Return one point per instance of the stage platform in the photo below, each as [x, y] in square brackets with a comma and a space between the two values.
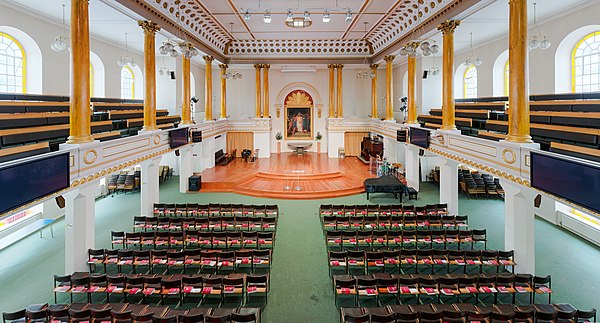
[288, 176]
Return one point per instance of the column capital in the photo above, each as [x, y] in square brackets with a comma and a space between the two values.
[340, 66]
[330, 66]
[413, 44]
[148, 26]
[448, 26]
[208, 59]
[186, 45]
[390, 58]
[223, 66]
[374, 66]
[258, 66]
[266, 66]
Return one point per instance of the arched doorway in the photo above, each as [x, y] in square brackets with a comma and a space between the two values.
[298, 118]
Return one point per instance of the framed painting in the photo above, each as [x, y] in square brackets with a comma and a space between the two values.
[298, 116]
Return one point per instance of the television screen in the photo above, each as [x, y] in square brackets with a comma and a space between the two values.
[178, 137]
[24, 182]
[419, 137]
[572, 180]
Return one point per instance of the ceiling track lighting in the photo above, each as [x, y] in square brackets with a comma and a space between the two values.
[538, 40]
[326, 16]
[292, 21]
[267, 17]
[61, 42]
[348, 16]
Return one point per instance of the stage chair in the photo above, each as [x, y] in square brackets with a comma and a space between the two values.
[170, 287]
[387, 286]
[261, 258]
[117, 238]
[212, 286]
[586, 316]
[124, 258]
[542, 285]
[337, 259]
[407, 286]
[191, 285]
[374, 259]
[158, 259]
[391, 259]
[448, 287]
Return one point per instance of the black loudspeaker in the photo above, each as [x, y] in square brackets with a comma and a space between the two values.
[194, 183]
[401, 135]
[196, 136]
[421, 152]
[425, 73]
[60, 201]
[172, 74]
[177, 152]
[537, 201]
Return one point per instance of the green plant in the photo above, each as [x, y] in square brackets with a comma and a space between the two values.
[319, 136]
[278, 136]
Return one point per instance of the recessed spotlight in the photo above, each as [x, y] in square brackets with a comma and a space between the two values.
[326, 16]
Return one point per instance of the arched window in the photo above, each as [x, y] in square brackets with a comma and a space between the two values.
[586, 64]
[470, 82]
[127, 83]
[506, 78]
[91, 80]
[12, 65]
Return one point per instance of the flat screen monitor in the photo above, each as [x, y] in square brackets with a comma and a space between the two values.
[419, 137]
[21, 183]
[178, 137]
[572, 180]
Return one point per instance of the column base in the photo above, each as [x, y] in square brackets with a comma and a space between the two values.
[521, 139]
[76, 140]
[448, 127]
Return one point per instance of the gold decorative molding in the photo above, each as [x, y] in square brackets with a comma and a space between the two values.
[448, 26]
[156, 139]
[90, 160]
[149, 27]
[298, 99]
[509, 156]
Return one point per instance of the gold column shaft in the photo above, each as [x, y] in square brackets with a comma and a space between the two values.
[374, 91]
[150, 30]
[412, 94]
[208, 88]
[186, 110]
[266, 90]
[518, 86]
[79, 106]
[223, 114]
[332, 108]
[257, 67]
[389, 91]
[448, 110]
[340, 98]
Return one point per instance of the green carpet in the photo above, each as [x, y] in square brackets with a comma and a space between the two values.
[301, 290]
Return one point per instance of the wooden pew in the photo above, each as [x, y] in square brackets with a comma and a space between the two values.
[463, 122]
[491, 106]
[567, 118]
[139, 122]
[129, 114]
[575, 151]
[575, 134]
[31, 119]
[13, 153]
[23, 135]
[566, 105]
[432, 125]
[474, 114]
[28, 106]
[104, 136]
[104, 106]
[491, 135]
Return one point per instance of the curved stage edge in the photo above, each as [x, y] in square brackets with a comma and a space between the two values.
[279, 176]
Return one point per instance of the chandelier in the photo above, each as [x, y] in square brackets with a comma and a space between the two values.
[435, 69]
[126, 60]
[472, 59]
[170, 48]
[537, 40]
[61, 42]
[234, 75]
[411, 49]
[365, 73]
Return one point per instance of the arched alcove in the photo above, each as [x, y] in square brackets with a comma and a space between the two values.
[562, 61]
[99, 76]
[498, 74]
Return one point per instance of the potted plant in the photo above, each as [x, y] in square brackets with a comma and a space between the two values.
[278, 137]
[318, 137]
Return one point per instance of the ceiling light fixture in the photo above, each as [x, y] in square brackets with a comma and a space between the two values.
[61, 42]
[472, 59]
[234, 75]
[290, 16]
[307, 16]
[298, 22]
[348, 16]
[411, 49]
[537, 40]
[126, 60]
[366, 73]
[326, 16]
[267, 17]
[247, 15]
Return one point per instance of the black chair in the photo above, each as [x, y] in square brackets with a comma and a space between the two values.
[14, 317]
[191, 318]
[586, 316]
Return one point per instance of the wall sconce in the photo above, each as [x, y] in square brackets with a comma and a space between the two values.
[278, 110]
[319, 110]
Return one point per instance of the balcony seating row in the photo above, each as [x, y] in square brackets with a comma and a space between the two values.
[193, 238]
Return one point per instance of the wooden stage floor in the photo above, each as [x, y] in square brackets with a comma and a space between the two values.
[316, 175]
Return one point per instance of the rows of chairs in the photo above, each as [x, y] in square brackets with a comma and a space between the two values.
[129, 313]
[463, 313]
[209, 223]
[159, 289]
[475, 184]
[364, 209]
[398, 221]
[193, 239]
[212, 261]
[441, 288]
[125, 181]
[416, 260]
[195, 209]
[351, 239]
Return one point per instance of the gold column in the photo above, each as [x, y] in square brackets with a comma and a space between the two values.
[208, 88]
[223, 114]
[186, 110]
[79, 110]
[332, 109]
[340, 101]
[150, 30]
[266, 90]
[448, 115]
[412, 95]
[257, 67]
[518, 86]
[389, 92]
[374, 91]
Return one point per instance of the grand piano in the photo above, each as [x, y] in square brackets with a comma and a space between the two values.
[385, 184]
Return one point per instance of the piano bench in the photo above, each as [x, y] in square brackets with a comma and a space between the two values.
[412, 193]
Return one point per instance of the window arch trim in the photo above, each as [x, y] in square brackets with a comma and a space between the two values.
[573, 56]
[466, 89]
[23, 60]
[132, 81]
